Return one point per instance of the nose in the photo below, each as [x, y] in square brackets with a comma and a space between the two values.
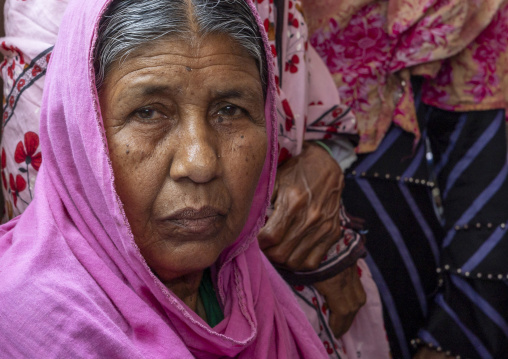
[196, 156]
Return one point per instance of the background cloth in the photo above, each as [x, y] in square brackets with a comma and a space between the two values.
[442, 277]
[31, 28]
[373, 47]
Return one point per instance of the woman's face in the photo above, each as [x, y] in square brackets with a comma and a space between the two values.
[186, 132]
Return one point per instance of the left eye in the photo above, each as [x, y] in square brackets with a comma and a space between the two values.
[146, 113]
[230, 111]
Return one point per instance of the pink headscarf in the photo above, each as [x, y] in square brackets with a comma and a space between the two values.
[72, 281]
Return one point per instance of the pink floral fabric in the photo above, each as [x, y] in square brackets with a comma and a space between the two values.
[308, 105]
[372, 47]
[31, 31]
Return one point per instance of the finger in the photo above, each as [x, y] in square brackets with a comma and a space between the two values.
[314, 246]
[280, 253]
[283, 230]
[314, 259]
[310, 223]
[277, 225]
[342, 316]
[309, 254]
[340, 324]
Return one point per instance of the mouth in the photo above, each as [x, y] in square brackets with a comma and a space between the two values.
[205, 220]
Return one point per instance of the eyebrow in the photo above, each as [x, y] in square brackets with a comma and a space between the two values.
[248, 94]
[234, 93]
[152, 90]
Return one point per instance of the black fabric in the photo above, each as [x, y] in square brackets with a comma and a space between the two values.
[464, 308]
[382, 248]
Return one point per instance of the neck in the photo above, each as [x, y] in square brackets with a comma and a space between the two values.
[187, 289]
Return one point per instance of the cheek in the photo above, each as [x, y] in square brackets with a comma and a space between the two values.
[244, 167]
[136, 176]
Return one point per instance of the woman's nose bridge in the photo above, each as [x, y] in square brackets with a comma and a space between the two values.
[196, 155]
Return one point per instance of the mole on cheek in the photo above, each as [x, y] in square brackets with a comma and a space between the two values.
[127, 150]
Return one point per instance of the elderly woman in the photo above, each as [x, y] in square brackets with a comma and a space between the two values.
[159, 155]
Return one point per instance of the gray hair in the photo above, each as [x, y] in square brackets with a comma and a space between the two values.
[130, 24]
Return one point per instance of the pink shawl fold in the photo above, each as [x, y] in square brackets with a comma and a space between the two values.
[73, 284]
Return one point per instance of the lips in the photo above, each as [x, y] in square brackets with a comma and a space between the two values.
[205, 220]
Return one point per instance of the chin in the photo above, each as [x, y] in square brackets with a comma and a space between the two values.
[171, 266]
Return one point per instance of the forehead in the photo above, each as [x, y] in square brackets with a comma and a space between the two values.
[215, 56]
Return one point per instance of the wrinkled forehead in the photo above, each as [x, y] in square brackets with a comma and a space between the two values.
[175, 70]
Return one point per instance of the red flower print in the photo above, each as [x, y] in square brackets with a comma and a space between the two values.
[21, 83]
[36, 70]
[15, 50]
[270, 29]
[266, 24]
[315, 302]
[291, 65]
[16, 186]
[331, 129]
[347, 238]
[337, 112]
[328, 347]
[287, 108]
[277, 80]
[284, 155]
[28, 156]
[292, 21]
[289, 123]
[289, 115]
[274, 50]
[10, 70]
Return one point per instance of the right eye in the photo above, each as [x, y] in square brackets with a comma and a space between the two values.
[148, 114]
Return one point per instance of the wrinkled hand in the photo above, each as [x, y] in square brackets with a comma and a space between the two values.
[305, 221]
[426, 353]
[344, 295]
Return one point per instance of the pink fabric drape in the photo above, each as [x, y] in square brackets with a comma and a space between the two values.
[372, 48]
[72, 281]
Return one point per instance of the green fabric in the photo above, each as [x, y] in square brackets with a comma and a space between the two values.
[214, 314]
